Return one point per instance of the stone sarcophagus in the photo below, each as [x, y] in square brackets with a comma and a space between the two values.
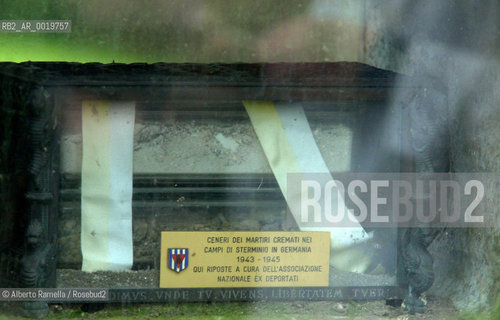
[129, 177]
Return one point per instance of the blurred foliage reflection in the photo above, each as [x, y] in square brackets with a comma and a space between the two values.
[181, 31]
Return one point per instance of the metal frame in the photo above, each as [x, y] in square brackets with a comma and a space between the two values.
[30, 91]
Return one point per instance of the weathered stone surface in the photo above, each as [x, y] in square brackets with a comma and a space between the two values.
[211, 145]
[456, 43]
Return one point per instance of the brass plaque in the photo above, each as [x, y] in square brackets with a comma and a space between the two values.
[244, 259]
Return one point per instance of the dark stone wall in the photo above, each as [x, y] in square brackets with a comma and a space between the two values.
[458, 43]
